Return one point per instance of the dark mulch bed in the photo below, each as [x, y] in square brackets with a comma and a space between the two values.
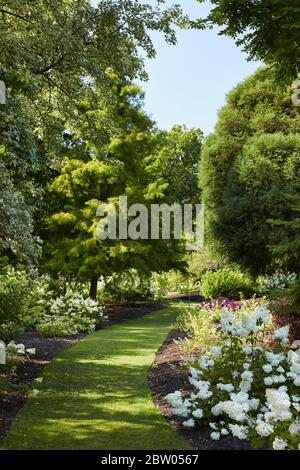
[293, 320]
[166, 377]
[47, 349]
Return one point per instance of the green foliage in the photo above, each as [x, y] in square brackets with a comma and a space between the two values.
[249, 169]
[288, 246]
[10, 330]
[56, 43]
[200, 324]
[93, 175]
[199, 262]
[166, 283]
[19, 187]
[293, 292]
[14, 300]
[227, 282]
[178, 159]
[127, 286]
[267, 30]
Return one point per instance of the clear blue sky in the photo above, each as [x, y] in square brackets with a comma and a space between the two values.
[188, 82]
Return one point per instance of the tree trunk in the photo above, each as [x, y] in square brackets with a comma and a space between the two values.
[93, 288]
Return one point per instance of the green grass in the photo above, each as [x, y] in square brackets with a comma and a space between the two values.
[96, 395]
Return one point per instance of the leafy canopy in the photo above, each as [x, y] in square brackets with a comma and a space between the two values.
[249, 170]
[268, 30]
[91, 175]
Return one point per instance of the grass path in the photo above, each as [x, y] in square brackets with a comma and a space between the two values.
[96, 395]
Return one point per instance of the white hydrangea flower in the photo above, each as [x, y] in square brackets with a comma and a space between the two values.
[279, 444]
[31, 351]
[274, 359]
[297, 381]
[245, 386]
[264, 429]
[267, 368]
[198, 413]
[216, 351]
[248, 350]
[226, 387]
[254, 403]
[282, 334]
[238, 431]
[279, 404]
[262, 314]
[283, 388]
[297, 407]
[294, 428]
[215, 436]
[190, 423]
[247, 376]
[20, 349]
[194, 373]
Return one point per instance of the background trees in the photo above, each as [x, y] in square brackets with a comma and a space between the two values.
[64, 47]
[249, 170]
[56, 59]
[177, 162]
[92, 175]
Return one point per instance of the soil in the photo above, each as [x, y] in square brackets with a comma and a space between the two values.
[166, 376]
[29, 368]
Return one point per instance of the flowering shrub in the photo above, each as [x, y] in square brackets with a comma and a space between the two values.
[243, 389]
[221, 302]
[227, 282]
[201, 323]
[277, 281]
[71, 314]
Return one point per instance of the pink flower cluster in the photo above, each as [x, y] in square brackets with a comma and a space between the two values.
[221, 302]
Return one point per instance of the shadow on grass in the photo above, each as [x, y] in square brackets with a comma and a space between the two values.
[96, 396]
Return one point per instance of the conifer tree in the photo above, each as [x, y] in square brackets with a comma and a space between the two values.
[100, 165]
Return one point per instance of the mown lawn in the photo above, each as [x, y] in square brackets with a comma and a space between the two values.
[96, 395]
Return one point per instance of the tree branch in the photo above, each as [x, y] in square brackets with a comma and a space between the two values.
[11, 13]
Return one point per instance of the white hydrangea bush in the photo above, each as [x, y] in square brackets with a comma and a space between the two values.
[243, 388]
[277, 281]
[71, 314]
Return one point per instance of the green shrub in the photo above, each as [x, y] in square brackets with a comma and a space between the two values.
[200, 325]
[14, 300]
[170, 282]
[227, 282]
[128, 286]
[249, 171]
[11, 330]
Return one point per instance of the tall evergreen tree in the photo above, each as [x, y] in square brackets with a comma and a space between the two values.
[249, 169]
[92, 175]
